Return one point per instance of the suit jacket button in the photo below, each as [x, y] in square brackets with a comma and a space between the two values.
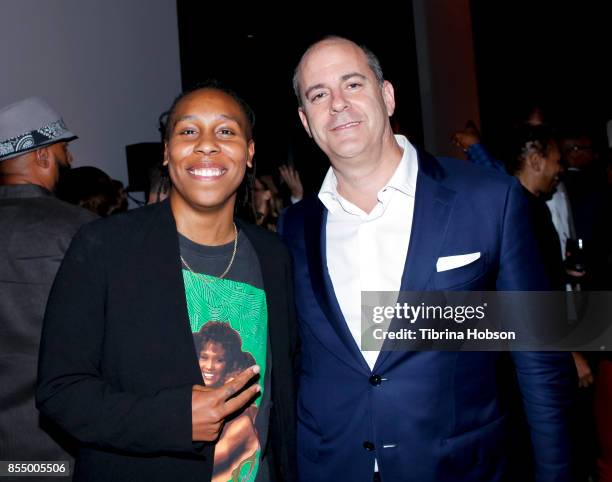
[375, 380]
[369, 446]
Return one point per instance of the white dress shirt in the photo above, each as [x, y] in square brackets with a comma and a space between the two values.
[561, 214]
[367, 251]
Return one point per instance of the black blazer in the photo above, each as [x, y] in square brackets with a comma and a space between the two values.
[117, 359]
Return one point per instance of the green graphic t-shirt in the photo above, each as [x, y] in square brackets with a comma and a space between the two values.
[229, 321]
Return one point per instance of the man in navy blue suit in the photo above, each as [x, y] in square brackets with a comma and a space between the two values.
[388, 218]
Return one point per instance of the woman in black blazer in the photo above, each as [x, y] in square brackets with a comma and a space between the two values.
[118, 368]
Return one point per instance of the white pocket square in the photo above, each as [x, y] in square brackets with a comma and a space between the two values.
[451, 262]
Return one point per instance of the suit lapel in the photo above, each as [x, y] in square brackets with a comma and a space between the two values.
[432, 208]
[315, 237]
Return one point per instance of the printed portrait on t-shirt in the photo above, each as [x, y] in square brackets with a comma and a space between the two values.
[229, 324]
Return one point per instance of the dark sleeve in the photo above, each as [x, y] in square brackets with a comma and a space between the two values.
[479, 155]
[545, 378]
[280, 224]
[293, 325]
[290, 443]
[72, 388]
[281, 228]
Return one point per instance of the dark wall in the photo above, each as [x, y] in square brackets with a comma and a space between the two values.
[553, 53]
[256, 56]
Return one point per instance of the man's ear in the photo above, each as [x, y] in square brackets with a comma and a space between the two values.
[388, 94]
[304, 120]
[535, 161]
[43, 157]
[251, 148]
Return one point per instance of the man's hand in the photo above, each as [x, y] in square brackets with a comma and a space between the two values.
[292, 178]
[467, 137]
[211, 406]
[585, 375]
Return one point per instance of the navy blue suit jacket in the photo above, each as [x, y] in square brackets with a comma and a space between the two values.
[436, 415]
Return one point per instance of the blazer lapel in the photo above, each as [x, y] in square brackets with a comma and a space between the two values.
[160, 261]
[315, 237]
[432, 208]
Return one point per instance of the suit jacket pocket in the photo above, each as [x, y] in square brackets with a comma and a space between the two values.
[459, 277]
[475, 455]
[308, 442]
[309, 434]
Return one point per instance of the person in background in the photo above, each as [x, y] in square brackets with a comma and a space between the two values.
[291, 177]
[534, 159]
[533, 156]
[468, 140]
[121, 197]
[585, 179]
[470, 143]
[35, 231]
[263, 205]
[88, 187]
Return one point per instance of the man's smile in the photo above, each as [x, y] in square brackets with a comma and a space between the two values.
[347, 125]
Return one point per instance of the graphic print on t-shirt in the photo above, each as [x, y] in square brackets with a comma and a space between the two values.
[229, 323]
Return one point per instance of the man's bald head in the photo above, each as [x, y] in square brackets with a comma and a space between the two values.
[371, 59]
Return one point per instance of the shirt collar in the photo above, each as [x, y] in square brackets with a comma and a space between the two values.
[23, 191]
[404, 177]
[403, 180]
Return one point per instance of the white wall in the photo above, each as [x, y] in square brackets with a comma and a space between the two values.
[447, 72]
[110, 67]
